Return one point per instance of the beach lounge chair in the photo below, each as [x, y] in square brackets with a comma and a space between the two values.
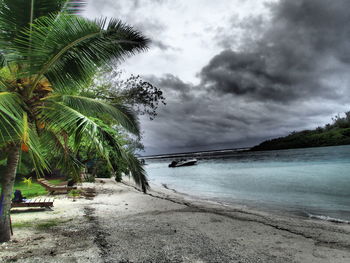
[37, 202]
[51, 188]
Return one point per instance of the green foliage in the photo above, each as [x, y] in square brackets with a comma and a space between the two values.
[102, 170]
[28, 181]
[48, 55]
[337, 133]
[17, 15]
[77, 46]
[74, 193]
[89, 178]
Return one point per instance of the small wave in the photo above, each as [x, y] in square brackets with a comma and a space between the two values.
[328, 218]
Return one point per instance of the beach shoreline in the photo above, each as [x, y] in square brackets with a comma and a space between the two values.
[121, 224]
[250, 205]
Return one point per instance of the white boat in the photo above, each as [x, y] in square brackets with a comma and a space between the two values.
[183, 163]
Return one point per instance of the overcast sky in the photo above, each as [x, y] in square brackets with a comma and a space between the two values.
[237, 72]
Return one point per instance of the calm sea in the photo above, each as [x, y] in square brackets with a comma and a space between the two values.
[312, 182]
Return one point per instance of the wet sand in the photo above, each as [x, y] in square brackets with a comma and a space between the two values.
[122, 224]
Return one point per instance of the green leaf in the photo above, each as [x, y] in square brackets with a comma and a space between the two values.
[2, 60]
[60, 155]
[11, 113]
[137, 171]
[37, 151]
[61, 118]
[16, 15]
[70, 48]
[123, 115]
[74, 6]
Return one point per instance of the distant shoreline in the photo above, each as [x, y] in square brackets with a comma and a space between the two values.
[193, 154]
[226, 152]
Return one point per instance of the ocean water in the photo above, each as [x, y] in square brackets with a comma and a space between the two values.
[312, 182]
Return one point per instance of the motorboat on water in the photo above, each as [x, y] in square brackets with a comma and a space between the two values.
[183, 163]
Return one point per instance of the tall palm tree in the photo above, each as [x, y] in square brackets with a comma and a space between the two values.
[47, 54]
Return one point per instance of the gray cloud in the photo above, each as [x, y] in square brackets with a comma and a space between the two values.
[193, 120]
[173, 86]
[304, 45]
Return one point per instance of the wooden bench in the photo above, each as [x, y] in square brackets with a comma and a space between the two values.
[51, 188]
[36, 202]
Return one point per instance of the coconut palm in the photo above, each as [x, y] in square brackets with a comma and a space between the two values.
[47, 54]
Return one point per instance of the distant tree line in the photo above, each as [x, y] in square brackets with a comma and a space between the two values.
[332, 134]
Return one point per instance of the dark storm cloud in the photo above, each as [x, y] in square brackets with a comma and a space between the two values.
[241, 30]
[173, 86]
[193, 120]
[306, 42]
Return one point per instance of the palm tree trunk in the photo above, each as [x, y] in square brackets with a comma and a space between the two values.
[7, 184]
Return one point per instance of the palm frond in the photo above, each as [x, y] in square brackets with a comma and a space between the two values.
[74, 6]
[137, 171]
[11, 105]
[2, 60]
[11, 113]
[9, 130]
[134, 166]
[15, 127]
[16, 15]
[76, 46]
[36, 150]
[123, 115]
[61, 156]
[60, 117]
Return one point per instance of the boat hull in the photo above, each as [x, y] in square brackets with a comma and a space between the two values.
[183, 163]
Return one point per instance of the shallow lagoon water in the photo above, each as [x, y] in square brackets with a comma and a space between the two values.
[310, 181]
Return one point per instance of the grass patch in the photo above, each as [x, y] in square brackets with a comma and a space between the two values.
[22, 224]
[40, 225]
[30, 191]
[34, 189]
[47, 224]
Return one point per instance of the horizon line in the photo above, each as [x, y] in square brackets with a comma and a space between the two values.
[206, 151]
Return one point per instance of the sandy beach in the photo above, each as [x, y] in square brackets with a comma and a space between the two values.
[122, 224]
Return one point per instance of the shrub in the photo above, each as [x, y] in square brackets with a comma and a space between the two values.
[90, 178]
[102, 170]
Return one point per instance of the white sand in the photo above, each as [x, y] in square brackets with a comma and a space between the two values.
[123, 225]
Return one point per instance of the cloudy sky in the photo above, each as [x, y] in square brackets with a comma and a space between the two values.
[237, 72]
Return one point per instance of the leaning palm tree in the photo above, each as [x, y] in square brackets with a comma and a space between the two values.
[47, 54]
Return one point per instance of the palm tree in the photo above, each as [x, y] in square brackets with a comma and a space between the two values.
[47, 54]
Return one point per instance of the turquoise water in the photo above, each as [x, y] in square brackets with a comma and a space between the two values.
[312, 181]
